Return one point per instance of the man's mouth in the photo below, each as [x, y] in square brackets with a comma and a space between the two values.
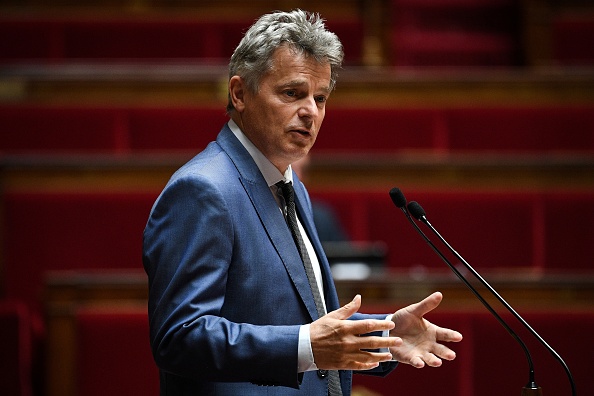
[303, 132]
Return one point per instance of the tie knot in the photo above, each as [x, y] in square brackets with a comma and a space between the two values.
[287, 190]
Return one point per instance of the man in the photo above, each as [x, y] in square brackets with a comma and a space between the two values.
[239, 286]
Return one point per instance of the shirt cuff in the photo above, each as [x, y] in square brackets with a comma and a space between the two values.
[305, 358]
[386, 333]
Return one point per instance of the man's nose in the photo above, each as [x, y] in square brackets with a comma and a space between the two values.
[309, 107]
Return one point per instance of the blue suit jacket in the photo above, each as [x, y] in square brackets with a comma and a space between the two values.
[227, 288]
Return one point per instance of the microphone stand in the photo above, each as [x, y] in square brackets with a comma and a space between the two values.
[531, 389]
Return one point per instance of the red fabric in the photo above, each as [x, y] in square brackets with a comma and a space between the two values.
[47, 129]
[366, 130]
[491, 230]
[33, 129]
[114, 356]
[139, 39]
[572, 38]
[54, 231]
[521, 129]
[457, 33]
[170, 129]
[568, 239]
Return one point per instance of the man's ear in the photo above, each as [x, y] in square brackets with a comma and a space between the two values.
[236, 92]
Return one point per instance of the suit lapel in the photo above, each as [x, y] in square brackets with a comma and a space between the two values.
[270, 215]
[306, 217]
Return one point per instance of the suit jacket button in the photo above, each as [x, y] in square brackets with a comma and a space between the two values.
[322, 373]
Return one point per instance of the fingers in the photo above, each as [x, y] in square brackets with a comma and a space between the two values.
[428, 353]
[358, 327]
[426, 305]
[357, 359]
[348, 310]
[420, 359]
[427, 359]
[337, 342]
[443, 352]
[371, 342]
[366, 326]
[422, 340]
[447, 335]
[353, 352]
[434, 358]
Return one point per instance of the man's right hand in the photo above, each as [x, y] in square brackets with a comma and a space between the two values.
[337, 343]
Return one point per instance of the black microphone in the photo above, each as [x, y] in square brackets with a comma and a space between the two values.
[531, 388]
[400, 201]
[417, 211]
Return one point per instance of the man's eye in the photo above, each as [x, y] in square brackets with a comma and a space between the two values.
[321, 99]
[291, 93]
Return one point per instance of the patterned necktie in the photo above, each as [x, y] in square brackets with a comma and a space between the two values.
[334, 388]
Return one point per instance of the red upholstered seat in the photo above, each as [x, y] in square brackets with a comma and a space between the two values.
[491, 230]
[138, 38]
[69, 231]
[521, 129]
[48, 129]
[457, 33]
[376, 130]
[39, 129]
[113, 353]
[31, 129]
[572, 38]
[568, 242]
[170, 129]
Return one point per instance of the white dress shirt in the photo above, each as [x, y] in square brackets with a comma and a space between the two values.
[272, 176]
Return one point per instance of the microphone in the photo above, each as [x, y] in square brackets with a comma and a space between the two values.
[417, 211]
[400, 202]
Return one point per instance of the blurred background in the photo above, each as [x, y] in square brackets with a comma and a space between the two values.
[481, 110]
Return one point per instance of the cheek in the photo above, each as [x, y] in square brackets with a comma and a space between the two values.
[259, 118]
[269, 116]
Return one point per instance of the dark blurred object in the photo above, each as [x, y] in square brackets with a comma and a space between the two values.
[327, 223]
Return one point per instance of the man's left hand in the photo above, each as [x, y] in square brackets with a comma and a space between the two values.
[422, 339]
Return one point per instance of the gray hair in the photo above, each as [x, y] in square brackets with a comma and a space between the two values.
[302, 31]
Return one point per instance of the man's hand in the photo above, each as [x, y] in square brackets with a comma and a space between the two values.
[421, 338]
[336, 344]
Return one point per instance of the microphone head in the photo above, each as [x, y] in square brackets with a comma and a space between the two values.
[398, 197]
[416, 210]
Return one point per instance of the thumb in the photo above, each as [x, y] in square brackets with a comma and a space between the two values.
[347, 310]
[427, 305]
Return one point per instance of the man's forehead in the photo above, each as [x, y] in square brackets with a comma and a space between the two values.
[295, 68]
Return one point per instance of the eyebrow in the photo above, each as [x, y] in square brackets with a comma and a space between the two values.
[299, 83]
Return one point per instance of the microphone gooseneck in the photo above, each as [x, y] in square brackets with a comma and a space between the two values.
[417, 211]
[531, 389]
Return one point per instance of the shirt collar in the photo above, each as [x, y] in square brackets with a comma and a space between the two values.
[268, 170]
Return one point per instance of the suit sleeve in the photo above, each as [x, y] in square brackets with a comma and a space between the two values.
[188, 247]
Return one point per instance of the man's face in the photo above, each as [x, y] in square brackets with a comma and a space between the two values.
[283, 118]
